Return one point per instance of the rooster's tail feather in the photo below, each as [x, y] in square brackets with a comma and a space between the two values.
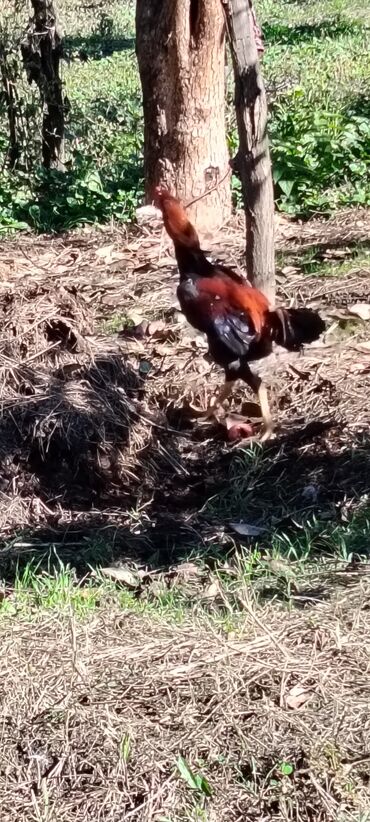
[294, 327]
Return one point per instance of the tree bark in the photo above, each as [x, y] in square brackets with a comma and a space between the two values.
[42, 50]
[253, 158]
[9, 91]
[180, 47]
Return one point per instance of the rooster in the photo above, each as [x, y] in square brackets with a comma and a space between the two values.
[239, 324]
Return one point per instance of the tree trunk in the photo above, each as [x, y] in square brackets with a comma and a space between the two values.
[10, 96]
[180, 48]
[253, 158]
[42, 50]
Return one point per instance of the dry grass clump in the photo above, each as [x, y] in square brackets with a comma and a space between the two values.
[62, 402]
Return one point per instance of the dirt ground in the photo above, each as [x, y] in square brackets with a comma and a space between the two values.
[94, 421]
[276, 719]
[101, 457]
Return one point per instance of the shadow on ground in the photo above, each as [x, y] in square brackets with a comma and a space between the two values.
[280, 34]
[96, 46]
[115, 481]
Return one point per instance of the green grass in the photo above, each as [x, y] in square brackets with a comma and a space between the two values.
[318, 79]
[54, 586]
[115, 323]
[318, 76]
[318, 73]
[310, 261]
[292, 565]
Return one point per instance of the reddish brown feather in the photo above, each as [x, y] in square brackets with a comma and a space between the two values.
[175, 219]
[181, 231]
[242, 297]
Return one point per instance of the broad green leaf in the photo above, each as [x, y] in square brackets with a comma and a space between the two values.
[286, 186]
[197, 782]
[187, 773]
[203, 785]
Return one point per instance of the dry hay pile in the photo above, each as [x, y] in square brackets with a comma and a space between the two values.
[96, 713]
[63, 409]
[83, 429]
[92, 416]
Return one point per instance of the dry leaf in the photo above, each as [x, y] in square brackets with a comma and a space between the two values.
[363, 346]
[109, 255]
[139, 331]
[199, 342]
[146, 214]
[336, 253]
[290, 269]
[155, 589]
[105, 252]
[146, 575]
[332, 328]
[211, 591]
[361, 310]
[164, 351]
[296, 697]
[122, 574]
[187, 570]
[109, 299]
[135, 317]
[360, 367]
[165, 262]
[158, 330]
[279, 567]
[245, 529]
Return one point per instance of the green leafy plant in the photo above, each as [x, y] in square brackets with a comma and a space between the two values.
[320, 157]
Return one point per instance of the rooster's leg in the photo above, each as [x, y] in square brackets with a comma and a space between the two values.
[256, 384]
[266, 414]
